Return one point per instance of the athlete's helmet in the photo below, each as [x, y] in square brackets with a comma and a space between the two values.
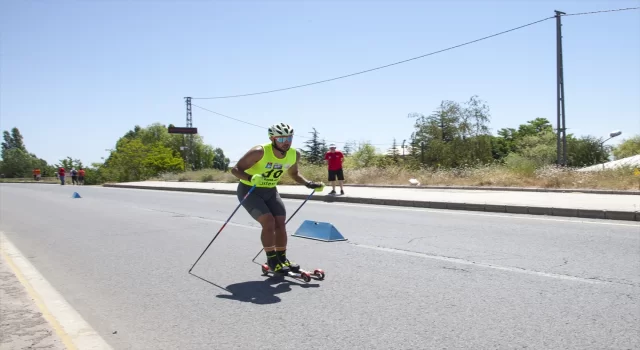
[280, 129]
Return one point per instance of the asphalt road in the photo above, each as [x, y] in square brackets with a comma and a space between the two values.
[406, 278]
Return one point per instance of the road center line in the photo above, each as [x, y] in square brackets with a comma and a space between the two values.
[491, 266]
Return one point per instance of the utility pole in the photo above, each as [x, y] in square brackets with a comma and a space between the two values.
[561, 138]
[189, 124]
[189, 130]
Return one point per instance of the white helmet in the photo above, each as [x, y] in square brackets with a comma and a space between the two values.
[280, 129]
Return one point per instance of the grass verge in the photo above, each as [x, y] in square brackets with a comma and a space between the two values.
[487, 176]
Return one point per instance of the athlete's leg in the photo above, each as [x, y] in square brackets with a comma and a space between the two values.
[268, 228]
[256, 206]
[276, 205]
[281, 233]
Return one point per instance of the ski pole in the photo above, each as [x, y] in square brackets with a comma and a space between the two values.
[285, 224]
[223, 226]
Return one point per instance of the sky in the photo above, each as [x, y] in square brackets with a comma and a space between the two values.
[77, 75]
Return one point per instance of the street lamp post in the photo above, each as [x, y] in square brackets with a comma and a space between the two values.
[611, 135]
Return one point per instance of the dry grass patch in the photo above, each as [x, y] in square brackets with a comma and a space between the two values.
[493, 175]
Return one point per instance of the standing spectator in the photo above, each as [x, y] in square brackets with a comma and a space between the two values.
[74, 176]
[334, 161]
[38, 174]
[61, 175]
[81, 176]
[34, 174]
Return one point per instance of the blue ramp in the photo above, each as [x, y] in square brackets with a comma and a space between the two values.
[321, 231]
[76, 195]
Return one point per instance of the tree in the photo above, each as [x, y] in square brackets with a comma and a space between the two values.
[393, 151]
[16, 160]
[534, 127]
[585, 151]
[365, 155]
[528, 135]
[453, 135]
[17, 163]
[504, 143]
[323, 149]
[220, 162]
[69, 163]
[199, 155]
[629, 147]
[17, 139]
[348, 148]
[539, 148]
[203, 156]
[132, 160]
[13, 140]
[159, 159]
[7, 144]
[313, 153]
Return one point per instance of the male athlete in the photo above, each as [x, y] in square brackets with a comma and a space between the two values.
[263, 166]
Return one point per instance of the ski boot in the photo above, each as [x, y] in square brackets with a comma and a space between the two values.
[277, 267]
[282, 257]
[292, 266]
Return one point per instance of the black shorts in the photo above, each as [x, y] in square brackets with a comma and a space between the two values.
[261, 201]
[334, 173]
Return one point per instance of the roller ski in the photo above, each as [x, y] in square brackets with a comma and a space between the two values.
[277, 268]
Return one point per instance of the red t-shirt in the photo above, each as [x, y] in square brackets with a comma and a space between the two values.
[335, 160]
[61, 172]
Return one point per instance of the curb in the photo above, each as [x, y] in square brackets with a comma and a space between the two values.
[29, 182]
[515, 189]
[475, 188]
[494, 208]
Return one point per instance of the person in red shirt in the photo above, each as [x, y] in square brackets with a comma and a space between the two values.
[61, 175]
[81, 176]
[334, 161]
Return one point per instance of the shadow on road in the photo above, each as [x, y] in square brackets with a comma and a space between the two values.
[258, 292]
[262, 292]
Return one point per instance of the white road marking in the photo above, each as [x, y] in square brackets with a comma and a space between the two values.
[230, 223]
[81, 334]
[491, 266]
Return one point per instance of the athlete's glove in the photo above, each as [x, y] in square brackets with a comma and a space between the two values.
[255, 179]
[318, 186]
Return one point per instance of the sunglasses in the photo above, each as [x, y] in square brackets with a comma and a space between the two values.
[284, 138]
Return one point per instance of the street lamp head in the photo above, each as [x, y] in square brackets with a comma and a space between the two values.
[615, 133]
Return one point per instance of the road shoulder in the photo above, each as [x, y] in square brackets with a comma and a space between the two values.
[23, 325]
[38, 316]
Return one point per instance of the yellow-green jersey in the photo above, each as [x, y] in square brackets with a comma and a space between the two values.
[271, 167]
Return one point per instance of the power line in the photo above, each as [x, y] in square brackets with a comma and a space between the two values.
[226, 116]
[414, 58]
[263, 127]
[603, 11]
[372, 69]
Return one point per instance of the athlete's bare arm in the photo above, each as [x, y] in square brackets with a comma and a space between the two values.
[294, 172]
[247, 161]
